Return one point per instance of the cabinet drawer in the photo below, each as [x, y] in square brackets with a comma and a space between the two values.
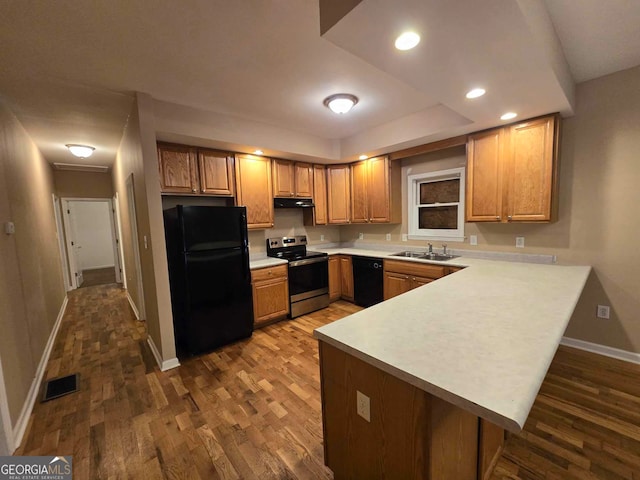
[268, 273]
[412, 268]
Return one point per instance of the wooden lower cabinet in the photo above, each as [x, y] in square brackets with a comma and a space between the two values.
[335, 281]
[270, 294]
[402, 276]
[346, 278]
[411, 433]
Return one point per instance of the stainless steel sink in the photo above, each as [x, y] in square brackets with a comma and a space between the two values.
[440, 257]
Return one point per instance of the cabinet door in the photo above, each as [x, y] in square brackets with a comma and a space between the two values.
[359, 202]
[270, 300]
[484, 176]
[335, 285]
[178, 168]
[530, 166]
[283, 178]
[395, 284]
[320, 195]
[303, 180]
[346, 277]
[338, 194]
[253, 175]
[378, 190]
[216, 172]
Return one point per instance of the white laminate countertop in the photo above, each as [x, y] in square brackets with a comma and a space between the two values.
[482, 338]
[264, 262]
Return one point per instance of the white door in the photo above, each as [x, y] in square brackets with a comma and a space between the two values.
[73, 249]
[119, 254]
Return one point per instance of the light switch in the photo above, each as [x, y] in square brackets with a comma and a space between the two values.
[146, 243]
[473, 240]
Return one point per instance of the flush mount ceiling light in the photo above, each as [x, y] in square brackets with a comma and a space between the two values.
[258, 152]
[407, 41]
[508, 116]
[476, 92]
[340, 102]
[363, 157]
[82, 151]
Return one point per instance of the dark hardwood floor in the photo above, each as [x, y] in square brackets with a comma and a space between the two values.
[252, 409]
[98, 276]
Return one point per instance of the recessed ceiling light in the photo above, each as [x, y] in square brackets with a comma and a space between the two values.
[407, 41]
[476, 92]
[508, 116]
[82, 151]
[258, 152]
[363, 157]
[340, 102]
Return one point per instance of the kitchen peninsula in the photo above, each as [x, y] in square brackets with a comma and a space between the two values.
[441, 370]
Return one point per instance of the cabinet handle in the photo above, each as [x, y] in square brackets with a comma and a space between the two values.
[270, 272]
[194, 190]
[509, 218]
[498, 217]
[203, 190]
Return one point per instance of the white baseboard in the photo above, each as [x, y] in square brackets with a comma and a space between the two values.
[166, 364]
[8, 447]
[602, 350]
[133, 306]
[23, 419]
[98, 267]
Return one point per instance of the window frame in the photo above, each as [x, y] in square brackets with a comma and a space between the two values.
[414, 205]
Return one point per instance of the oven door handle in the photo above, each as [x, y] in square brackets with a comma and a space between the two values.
[307, 261]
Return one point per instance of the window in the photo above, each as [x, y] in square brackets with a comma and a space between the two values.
[436, 205]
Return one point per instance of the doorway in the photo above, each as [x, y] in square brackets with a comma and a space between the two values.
[91, 239]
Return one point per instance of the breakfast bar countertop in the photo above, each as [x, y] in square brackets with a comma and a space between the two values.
[482, 338]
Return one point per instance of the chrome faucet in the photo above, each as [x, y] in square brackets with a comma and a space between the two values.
[430, 248]
[444, 248]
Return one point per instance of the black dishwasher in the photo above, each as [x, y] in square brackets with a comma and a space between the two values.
[368, 281]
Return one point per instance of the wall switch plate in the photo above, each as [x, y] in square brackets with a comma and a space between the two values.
[322, 238]
[363, 406]
[388, 237]
[603, 311]
[519, 242]
[146, 242]
[361, 236]
[404, 237]
[473, 239]
[9, 228]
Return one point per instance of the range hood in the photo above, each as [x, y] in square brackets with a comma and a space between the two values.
[292, 202]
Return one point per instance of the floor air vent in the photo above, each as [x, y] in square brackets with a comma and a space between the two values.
[58, 387]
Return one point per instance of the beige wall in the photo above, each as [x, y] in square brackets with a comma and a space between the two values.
[31, 283]
[137, 156]
[598, 225]
[69, 183]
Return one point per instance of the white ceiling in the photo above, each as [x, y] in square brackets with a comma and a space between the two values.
[69, 69]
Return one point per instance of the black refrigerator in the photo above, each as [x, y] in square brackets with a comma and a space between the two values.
[208, 254]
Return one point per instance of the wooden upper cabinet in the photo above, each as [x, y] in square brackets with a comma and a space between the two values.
[375, 191]
[283, 178]
[359, 188]
[292, 179]
[512, 172]
[303, 173]
[531, 171]
[216, 172]
[178, 168]
[484, 176]
[320, 195]
[338, 194]
[254, 189]
[191, 170]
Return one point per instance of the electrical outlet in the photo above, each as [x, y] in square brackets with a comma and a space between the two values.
[363, 406]
[404, 237]
[361, 236]
[473, 239]
[322, 238]
[519, 242]
[9, 228]
[603, 311]
[388, 237]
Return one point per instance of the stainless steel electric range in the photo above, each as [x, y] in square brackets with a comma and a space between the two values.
[308, 273]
